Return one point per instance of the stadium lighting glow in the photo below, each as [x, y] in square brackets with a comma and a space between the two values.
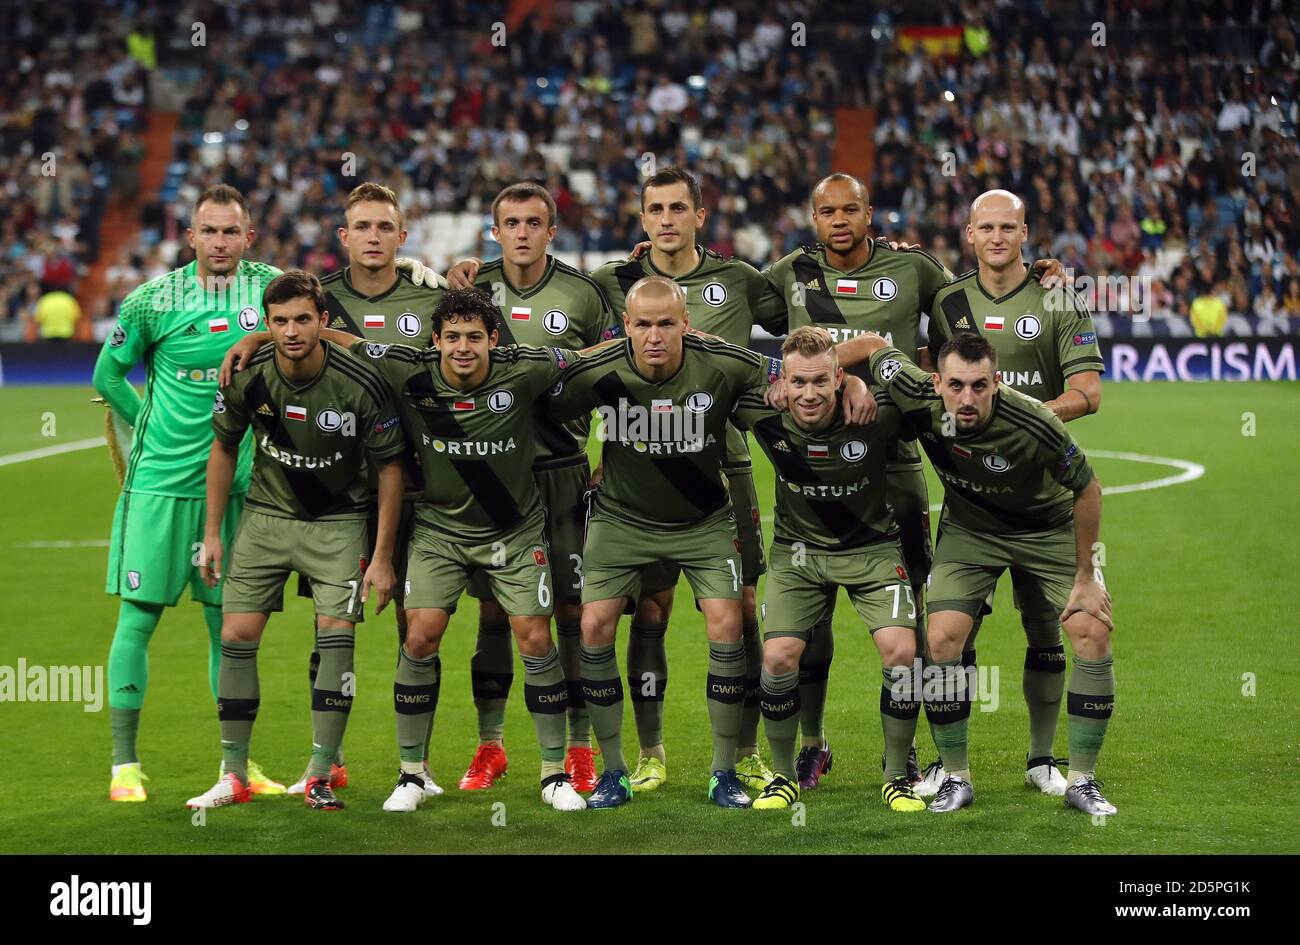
[542, 82]
[1273, 99]
[242, 124]
[948, 96]
[696, 81]
[213, 137]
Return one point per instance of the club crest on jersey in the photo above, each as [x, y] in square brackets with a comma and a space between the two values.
[248, 318]
[715, 293]
[118, 337]
[885, 289]
[889, 368]
[408, 323]
[375, 350]
[133, 580]
[1028, 326]
[218, 325]
[995, 463]
[853, 451]
[499, 401]
[330, 421]
[219, 403]
[294, 412]
[555, 321]
[372, 321]
[699, 401]
[539, 557]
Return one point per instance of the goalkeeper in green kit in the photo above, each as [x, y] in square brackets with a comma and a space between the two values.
[180, 325]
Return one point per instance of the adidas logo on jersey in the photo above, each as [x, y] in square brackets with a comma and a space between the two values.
[190, 330]
[815, 285]
[265, 410]
[782, 446]
[964, 324]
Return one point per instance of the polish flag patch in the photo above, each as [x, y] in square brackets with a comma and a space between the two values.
[818, 450]
[993, 323]
[373, 321]
[961, 451]
[295, 413]
[661, 406]
[521, 314]
[216, 325]
[463, 405]
[846, 286]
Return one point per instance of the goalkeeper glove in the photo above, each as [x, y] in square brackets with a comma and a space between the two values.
[421, 274]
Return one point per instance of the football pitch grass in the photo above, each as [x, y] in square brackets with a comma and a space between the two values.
[1198, 759]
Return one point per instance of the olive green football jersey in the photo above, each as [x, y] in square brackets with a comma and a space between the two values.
[565, 308]
[401, 315]
[830, 484]
[312, 438]
[665, 441]
[1041, 336]
[1018, 474]
[887, 294]
[476, 446]
[722, 296]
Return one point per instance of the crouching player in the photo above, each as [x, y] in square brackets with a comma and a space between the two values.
[318, 415]
[1018, 494]
[833, 529]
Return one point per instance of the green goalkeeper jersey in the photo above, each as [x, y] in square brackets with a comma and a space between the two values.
[887, 294]
[476, 446]
[182, 331]
[722, 297]
[313, 437]
[665, 441]
[565, 308]
[830, 484]
[1041, 336]
[1018, 474]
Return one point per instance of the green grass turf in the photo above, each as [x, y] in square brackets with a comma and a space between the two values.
[1203, 576]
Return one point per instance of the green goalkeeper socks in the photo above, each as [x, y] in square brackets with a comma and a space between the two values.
[128, 674]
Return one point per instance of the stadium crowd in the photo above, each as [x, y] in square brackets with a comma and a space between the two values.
[1163, 149]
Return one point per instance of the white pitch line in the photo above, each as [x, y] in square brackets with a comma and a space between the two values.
[80, 543]
[1189, 472]
[45, 451]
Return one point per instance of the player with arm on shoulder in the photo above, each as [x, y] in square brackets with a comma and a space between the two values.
[833, 528]
[1047, 348]
[179, 325]
[320, 417]
[543, 302]
[1019, 495]
[665, 398]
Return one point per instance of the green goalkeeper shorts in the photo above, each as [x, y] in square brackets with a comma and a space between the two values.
[801, 587]
[154, 549]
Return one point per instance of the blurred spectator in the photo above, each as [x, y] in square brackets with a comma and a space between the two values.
[1209, 313]
[1291, 301]
[57, 313]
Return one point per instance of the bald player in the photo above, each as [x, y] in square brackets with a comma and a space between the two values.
[1047, 348]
